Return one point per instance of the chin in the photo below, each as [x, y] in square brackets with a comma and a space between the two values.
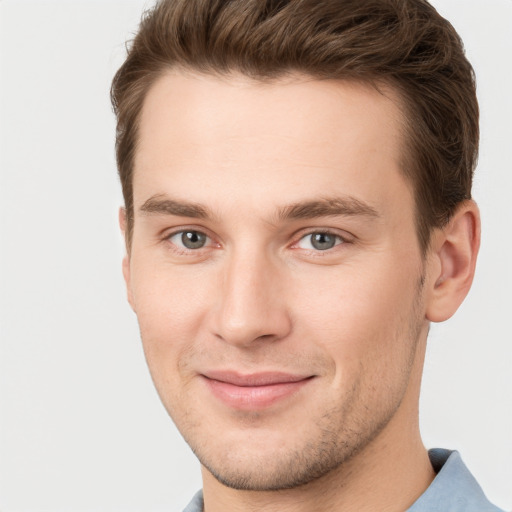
[273, 473]
[267, 464]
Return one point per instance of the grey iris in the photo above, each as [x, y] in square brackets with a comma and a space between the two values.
[193, 239]
[323, 241]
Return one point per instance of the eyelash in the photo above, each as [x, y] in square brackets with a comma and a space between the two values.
[339, 240]
[186, 250]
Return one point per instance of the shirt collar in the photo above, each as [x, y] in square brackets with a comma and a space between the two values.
[454, 488]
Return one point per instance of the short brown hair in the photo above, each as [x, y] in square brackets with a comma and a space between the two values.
[404, 44]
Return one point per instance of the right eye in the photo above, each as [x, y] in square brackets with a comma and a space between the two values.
[320, 241]
[189, 239]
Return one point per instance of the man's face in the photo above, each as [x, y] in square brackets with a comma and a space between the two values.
[276, 273]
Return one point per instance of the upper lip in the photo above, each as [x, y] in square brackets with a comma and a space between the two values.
[254, 379]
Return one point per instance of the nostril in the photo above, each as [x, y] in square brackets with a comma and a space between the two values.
[266, 337]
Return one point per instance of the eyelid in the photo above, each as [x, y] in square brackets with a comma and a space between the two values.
[342, 235]
[168, 234]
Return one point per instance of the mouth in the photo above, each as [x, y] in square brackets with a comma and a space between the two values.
[253, 391]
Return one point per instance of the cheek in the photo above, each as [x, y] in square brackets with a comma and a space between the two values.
[362, 318]
[167, 295]
[170, 307]
[350, 299]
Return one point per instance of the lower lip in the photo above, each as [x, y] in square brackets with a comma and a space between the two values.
[253, 397]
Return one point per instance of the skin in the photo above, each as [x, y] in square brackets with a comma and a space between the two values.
[259, 169]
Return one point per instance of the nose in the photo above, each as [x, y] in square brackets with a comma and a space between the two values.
[252, 304]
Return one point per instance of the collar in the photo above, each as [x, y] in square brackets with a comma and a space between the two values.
[454, 488]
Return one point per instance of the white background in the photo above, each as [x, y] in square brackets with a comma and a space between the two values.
[81, 428]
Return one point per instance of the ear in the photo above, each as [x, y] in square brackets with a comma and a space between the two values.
[453, 255]
[126, 259]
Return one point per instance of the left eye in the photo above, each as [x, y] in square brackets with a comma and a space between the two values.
[189, 239]
[319, 241]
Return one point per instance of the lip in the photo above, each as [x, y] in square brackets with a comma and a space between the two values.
[253, 391]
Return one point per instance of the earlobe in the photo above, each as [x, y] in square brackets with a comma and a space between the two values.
[126, 259]
[454, 253]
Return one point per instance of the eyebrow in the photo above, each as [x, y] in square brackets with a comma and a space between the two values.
[324, 207]
[327, 207]
[160, 204]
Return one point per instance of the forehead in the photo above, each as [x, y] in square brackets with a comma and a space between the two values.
[228, 136]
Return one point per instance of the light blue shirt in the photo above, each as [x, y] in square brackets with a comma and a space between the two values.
[454, 489]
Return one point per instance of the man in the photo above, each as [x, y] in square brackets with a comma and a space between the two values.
[297, 184]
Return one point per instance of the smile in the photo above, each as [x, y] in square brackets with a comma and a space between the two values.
[254, 391]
